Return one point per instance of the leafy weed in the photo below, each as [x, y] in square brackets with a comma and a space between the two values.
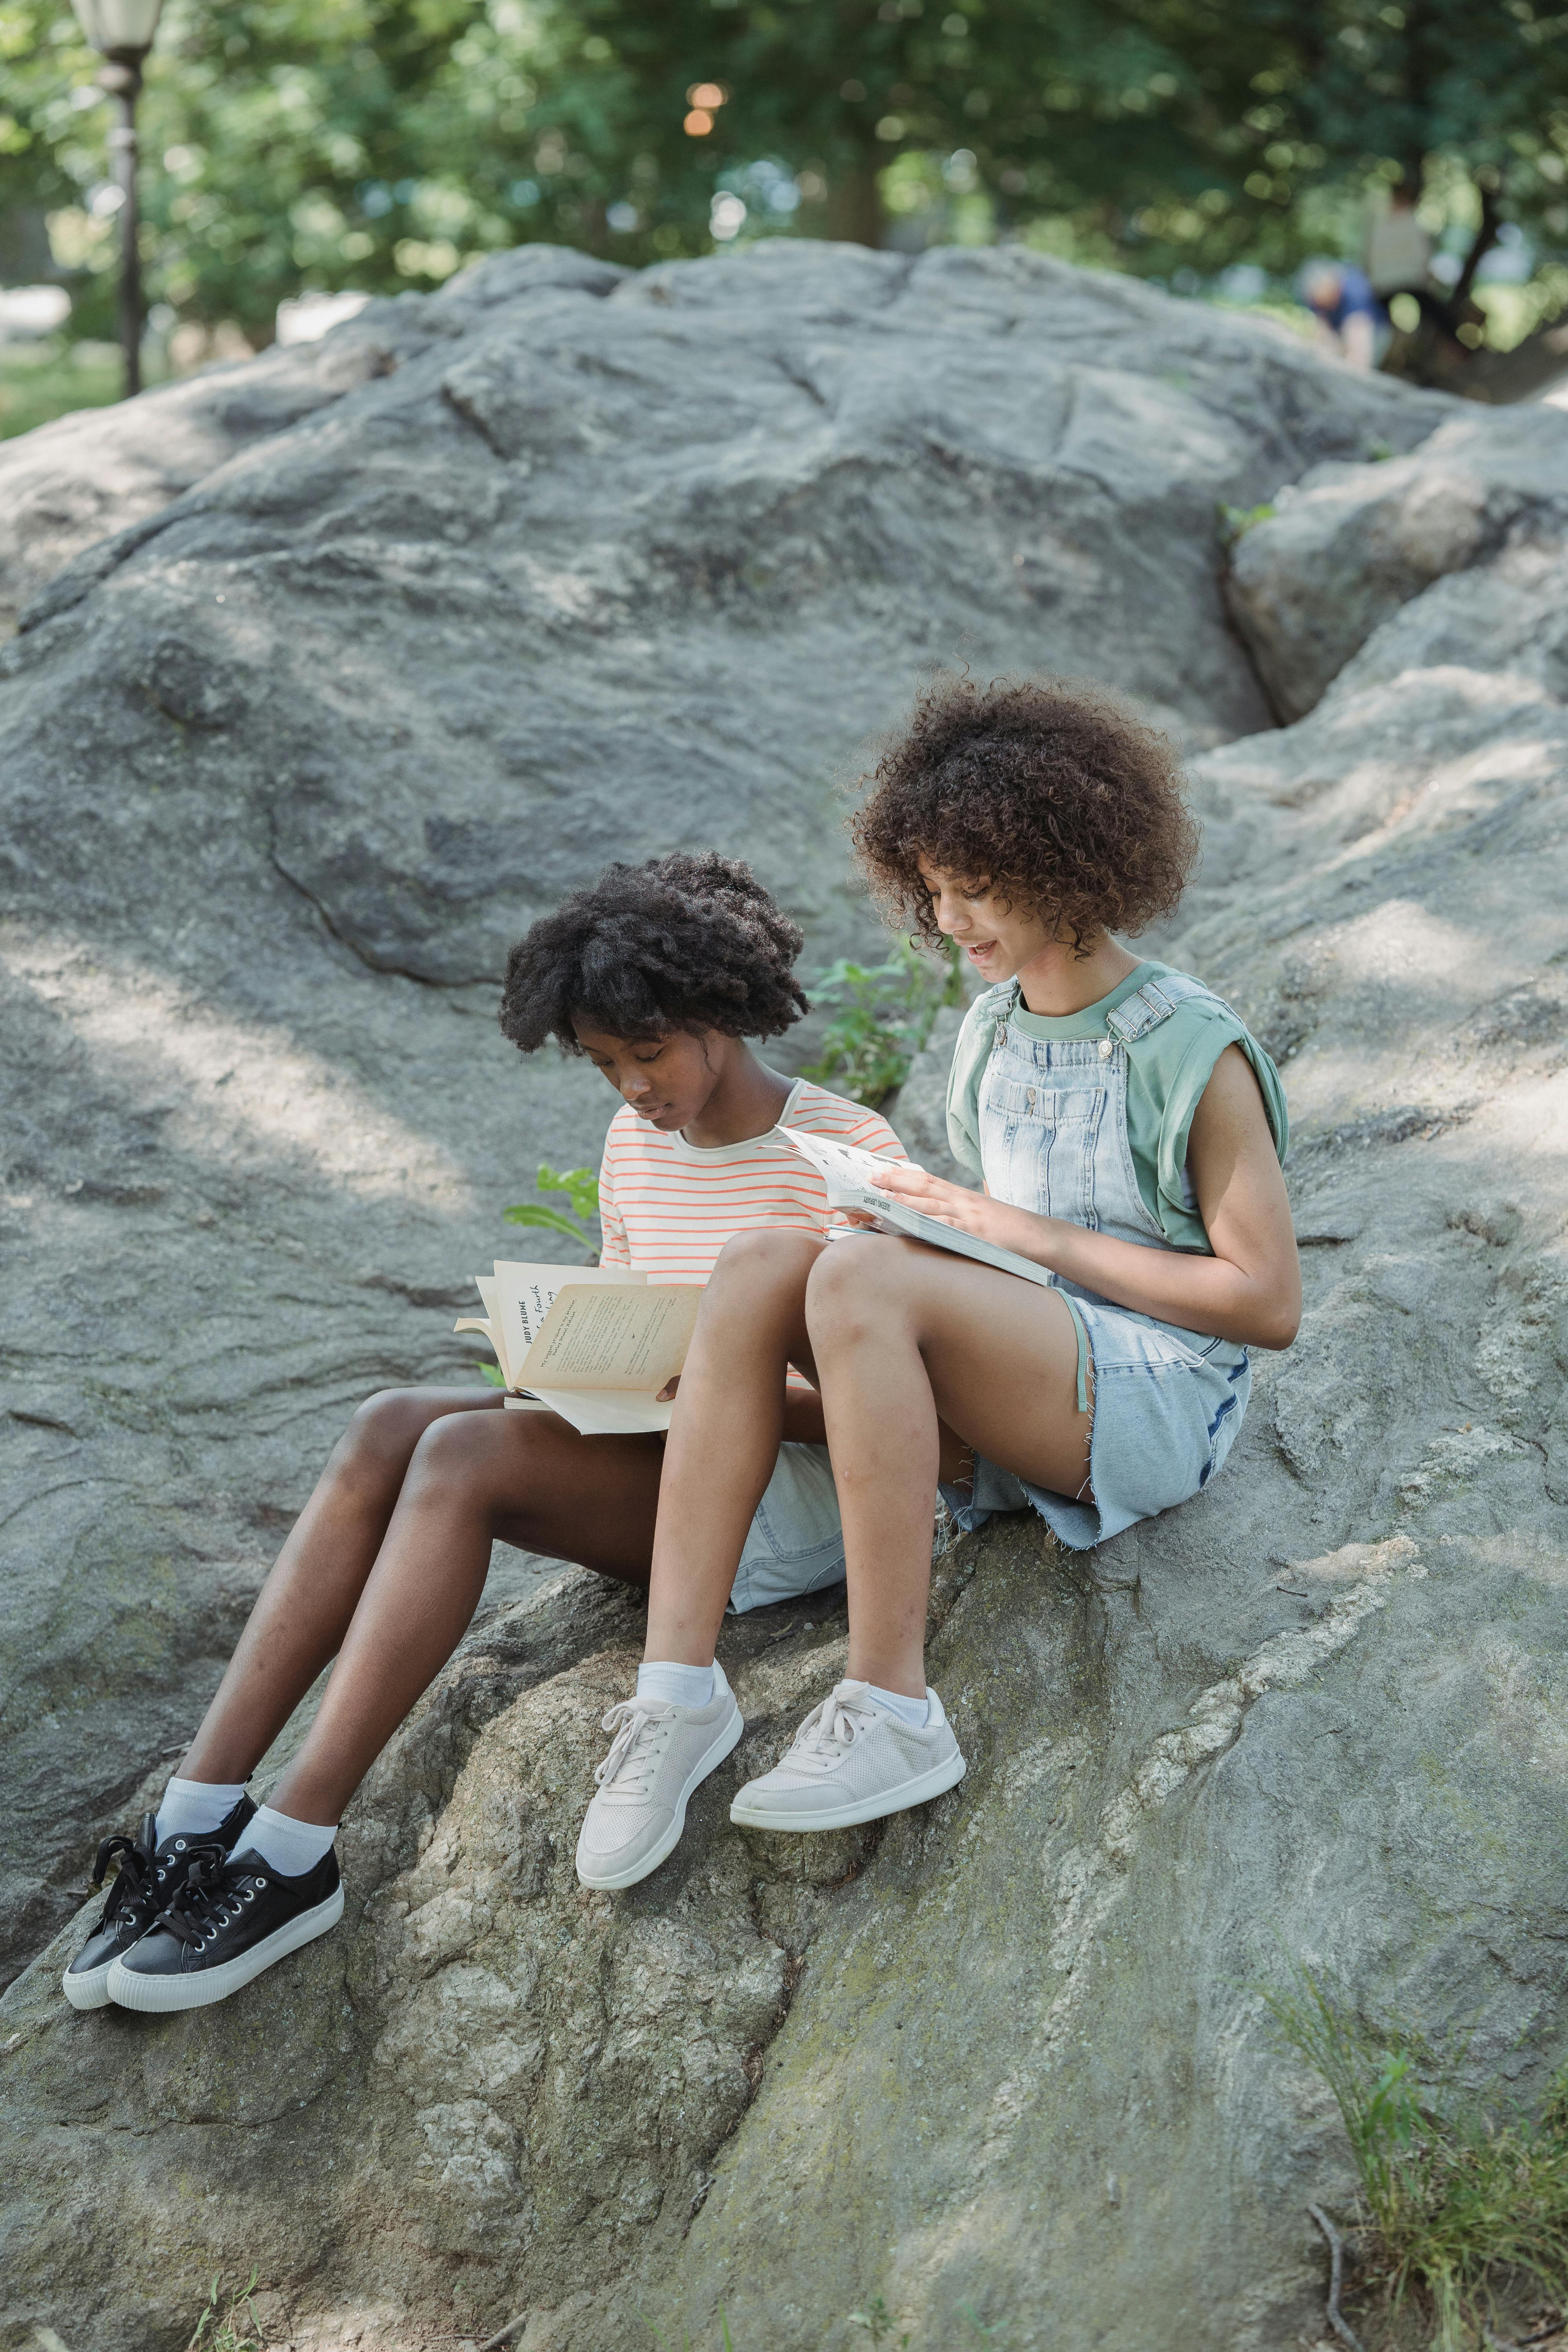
[883, 1017]
[1233, 522]
[1453, 2199]
[228, 2324]
[878, 2322]
[581, 1187]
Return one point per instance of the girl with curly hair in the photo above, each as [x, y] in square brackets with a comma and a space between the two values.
[658, 974]
[1127, 1135]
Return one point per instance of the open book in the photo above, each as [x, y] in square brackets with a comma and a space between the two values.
[854, 1180]
[594, 1343]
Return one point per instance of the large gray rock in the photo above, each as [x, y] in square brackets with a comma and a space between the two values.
[1347, 545]
[1001, 2063]
[97, 474]
[407, 633]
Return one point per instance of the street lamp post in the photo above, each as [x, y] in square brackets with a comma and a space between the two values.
[122, 32]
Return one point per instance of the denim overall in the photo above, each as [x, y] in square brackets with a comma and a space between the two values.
[1167, 1402]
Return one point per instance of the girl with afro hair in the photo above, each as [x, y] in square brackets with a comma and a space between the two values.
[659, 975]
[1125, 1135]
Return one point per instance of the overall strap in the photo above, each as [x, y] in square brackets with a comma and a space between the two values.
[1000, 1005]
[1001, 1002]
[1153, 1002]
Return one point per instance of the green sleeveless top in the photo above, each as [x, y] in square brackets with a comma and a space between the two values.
[1168, 1066]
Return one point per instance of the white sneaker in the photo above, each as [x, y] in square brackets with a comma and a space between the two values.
[852, 1761]
[660, 1753]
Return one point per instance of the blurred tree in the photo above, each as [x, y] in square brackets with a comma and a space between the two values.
[376, 144]
[1430, 92]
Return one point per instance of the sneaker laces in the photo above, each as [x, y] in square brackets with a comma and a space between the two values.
[200, 1904]
[829, 1731]
[627, 1773]
[134, 1877]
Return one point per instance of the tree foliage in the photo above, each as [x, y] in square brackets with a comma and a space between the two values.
[377, 143]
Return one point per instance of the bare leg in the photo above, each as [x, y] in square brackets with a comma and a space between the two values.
[724, 1435]
[313, 1595]
[527, 1478]
[906, 1339]
[302, 1610]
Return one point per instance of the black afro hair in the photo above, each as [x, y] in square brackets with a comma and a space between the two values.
[683, 942]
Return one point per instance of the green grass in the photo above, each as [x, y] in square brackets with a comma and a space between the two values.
[41, 380]
[1454, 2200]
[228, 2324]
[882, 1015]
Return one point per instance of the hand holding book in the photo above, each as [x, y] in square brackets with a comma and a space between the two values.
[891, 1197]
[956, 1205]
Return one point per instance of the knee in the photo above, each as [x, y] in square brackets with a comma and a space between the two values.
[757, 1265]
[456, 1454]
[853, 1287]
[382, 1434]
[767, 1255]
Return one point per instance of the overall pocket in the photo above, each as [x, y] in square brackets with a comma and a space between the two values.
[1041, 1141]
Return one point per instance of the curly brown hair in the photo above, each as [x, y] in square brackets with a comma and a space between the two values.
[686, 941]
[1047, 791]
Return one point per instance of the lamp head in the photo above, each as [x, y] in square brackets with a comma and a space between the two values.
[121, 30]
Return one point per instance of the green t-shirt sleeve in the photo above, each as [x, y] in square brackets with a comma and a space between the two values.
[970, 1056]
[1167, 1069]
[1200, 1038]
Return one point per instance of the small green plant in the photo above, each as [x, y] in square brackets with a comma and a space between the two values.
[1235, 522]
[581, 1187]
[884, 1015]
[233, 2328]
[1452, 2198]
[878, 2322]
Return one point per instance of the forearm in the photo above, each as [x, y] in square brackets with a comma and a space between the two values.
[1181, 1287]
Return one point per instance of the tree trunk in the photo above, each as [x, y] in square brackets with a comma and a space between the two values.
[1480, 244]
[855, 215]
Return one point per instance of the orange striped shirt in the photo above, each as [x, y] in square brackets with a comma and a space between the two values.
[670, 1206]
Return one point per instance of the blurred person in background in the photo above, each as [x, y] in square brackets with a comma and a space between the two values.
[1398, 248]
[1399, 261]
[1347, 311]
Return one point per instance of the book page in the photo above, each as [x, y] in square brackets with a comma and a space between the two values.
[843, 1164]
[525, 1294]
[599, 1413]
[482, 1323]
[853, 1183]
[615, 1338]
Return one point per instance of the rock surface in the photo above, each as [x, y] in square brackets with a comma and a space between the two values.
[1000, 2063]
[412, 630]
[1346, 546]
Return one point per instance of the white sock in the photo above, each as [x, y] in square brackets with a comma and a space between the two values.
[195, 1808]
[291, 1847]
[681, 1686]
[915, 1712]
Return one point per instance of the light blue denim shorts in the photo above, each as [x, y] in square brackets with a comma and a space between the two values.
[1167, 1407]
[795, 1544]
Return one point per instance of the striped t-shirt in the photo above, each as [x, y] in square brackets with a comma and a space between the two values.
[670, 1206]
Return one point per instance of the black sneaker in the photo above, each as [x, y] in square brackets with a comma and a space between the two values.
[229, 1918]
[143, 1885]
